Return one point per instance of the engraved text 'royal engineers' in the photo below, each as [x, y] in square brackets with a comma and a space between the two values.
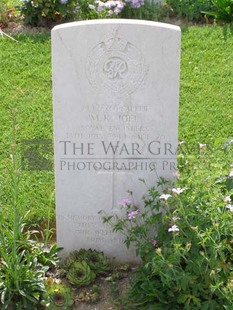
[115, 94]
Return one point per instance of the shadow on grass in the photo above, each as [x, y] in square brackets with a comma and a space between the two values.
[42, 37]
[36, 38]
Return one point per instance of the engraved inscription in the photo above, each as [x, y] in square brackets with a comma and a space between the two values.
[89, 228]
[115, 67]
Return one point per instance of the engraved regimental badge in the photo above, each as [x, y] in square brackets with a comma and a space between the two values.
[115, 67]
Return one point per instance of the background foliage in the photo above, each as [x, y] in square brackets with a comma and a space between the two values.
[51, 12]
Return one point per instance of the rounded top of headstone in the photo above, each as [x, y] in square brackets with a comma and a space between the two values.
[118, 22]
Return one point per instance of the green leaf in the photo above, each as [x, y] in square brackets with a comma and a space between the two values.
[229, 183]
[182, 298]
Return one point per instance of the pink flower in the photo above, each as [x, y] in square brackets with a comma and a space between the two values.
[125, 202]
[176, 174]
[173, 228]
[165, 196]
[154, 242]
[110, 4]
[230, 207]
[178, 190]
[227, 199]
[133, 214]
[117, 10]
[101, 6]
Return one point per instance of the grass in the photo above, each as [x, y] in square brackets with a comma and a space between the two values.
[205, 102]
[206, 85]
[26, 86]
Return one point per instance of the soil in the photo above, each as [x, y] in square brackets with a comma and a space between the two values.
[19, 28]
[112, 294]
[106, 301]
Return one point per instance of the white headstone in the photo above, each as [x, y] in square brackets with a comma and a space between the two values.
[115, 93]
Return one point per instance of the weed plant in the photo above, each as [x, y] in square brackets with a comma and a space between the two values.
[183, 235]
[23, 260]
[189, 9]
[222, 11]
[9, 11]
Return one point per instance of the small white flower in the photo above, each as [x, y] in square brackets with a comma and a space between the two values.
[92, 7]
[173, 228]
[227, 199]
[178, 190]
[230, 174]
[165, 196]
[57, 281]
[175, 218]
[202, 145]
[230, 207]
